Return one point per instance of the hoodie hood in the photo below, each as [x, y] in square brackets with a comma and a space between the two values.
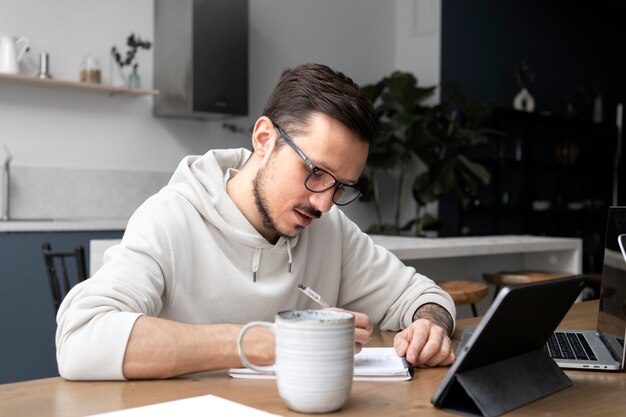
[201, 180]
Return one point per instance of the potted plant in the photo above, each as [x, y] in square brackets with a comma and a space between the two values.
[438, 136]
[134, 43]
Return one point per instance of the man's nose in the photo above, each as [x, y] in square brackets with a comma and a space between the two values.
[322, 201]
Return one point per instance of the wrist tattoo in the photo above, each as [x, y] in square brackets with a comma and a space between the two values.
[437, 314]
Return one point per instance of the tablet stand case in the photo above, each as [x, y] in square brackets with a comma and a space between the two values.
[500, 387]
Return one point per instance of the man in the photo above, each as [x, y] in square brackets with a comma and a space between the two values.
[229, 239]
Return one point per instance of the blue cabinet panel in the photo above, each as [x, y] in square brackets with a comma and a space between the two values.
[27, 322]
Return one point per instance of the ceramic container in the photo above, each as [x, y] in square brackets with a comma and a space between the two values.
[314, 358]
[11, 52]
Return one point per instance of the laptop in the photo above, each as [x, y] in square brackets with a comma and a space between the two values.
[504, 364]
[603, 348]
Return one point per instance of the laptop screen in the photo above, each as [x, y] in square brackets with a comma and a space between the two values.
[612, 312]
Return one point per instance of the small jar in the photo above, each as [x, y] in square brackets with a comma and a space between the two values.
[90, 70]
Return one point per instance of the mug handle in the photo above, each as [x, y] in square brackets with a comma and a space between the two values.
[265, 369]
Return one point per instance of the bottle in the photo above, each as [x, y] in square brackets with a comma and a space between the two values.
[44, 65]
[134, 80]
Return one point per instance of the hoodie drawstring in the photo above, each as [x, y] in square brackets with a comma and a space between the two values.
[289, 254]
[256, 260]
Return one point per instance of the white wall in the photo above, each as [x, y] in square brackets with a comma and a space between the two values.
[51, 127]
[418, 40]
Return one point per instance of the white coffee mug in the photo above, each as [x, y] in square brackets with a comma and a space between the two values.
[314, 358]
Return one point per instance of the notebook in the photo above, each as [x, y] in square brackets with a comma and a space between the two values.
[370, 364]
[603, 348]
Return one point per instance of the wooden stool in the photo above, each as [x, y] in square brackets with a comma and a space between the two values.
[503, 278]
[465, 292]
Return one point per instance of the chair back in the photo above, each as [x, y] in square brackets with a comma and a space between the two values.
[61, 276]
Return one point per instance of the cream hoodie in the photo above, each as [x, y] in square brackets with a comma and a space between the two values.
[189, 255]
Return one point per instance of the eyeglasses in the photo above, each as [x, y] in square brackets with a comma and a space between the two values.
[320, 180]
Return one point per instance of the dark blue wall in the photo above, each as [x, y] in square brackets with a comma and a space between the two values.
[572, 46]
[27, 323]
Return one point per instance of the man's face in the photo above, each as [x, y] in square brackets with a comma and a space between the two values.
[284, 203]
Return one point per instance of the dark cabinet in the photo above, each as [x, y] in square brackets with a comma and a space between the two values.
[27, 315]
[552, 176]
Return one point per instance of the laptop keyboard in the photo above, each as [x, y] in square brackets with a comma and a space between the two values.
[566, 345]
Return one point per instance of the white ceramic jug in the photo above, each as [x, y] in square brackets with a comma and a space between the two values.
[11, 52]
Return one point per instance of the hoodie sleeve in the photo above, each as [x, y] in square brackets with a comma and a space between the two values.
[376, 282]
[97, 316]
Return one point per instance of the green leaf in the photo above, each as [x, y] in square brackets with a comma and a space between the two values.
[477, 169]
[436, 135]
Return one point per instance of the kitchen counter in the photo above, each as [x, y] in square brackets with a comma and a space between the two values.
[460, 257]
[465, 257]
[407, 248]
[62, 225]
[468, 258]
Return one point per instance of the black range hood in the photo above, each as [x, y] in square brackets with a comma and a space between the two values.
[201, 58]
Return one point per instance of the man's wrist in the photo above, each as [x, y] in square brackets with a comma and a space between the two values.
[436, 314]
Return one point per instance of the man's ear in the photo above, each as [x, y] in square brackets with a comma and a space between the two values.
[263, 137]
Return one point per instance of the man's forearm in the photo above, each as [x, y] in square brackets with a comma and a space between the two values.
[437, 314]
[159, 348]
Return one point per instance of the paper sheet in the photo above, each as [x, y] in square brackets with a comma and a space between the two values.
[191, 407]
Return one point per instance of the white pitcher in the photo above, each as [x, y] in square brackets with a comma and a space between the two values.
[11, 52]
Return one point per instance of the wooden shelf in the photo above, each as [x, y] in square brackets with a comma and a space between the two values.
[111, 90]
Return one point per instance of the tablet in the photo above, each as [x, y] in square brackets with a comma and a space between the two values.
[504, 363]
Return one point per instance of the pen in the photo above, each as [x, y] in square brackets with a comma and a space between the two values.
[313, 295]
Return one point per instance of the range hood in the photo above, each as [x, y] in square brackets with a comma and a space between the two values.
[201, 58]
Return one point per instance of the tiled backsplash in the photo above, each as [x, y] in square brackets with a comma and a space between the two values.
[69, 193]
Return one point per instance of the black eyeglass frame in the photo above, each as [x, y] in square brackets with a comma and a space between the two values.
[314, 170]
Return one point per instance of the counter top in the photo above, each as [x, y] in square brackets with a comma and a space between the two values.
[62, 225]
[446, 247]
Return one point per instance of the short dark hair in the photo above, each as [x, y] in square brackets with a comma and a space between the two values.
[311, 88]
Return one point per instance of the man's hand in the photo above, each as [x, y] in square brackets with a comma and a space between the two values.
[426, 343]
[362, 329]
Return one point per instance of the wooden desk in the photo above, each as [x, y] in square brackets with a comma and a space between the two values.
[593, 393]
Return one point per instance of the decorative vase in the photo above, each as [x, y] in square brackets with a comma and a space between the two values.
[134, 80]
[524, 101]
